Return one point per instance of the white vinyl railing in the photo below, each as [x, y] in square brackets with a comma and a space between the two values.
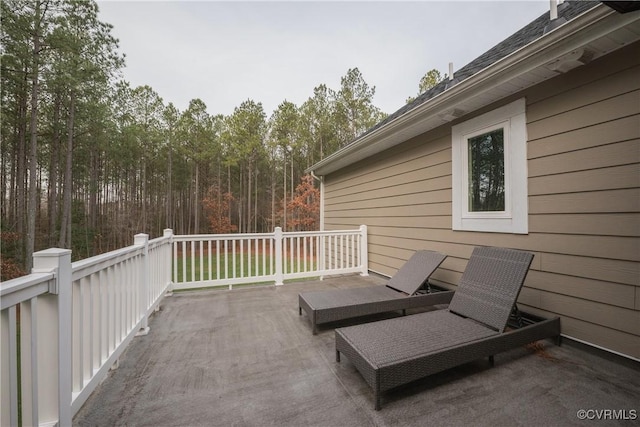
[63, 326]
[231, 259]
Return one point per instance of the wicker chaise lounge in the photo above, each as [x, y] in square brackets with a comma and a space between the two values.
[400, 293]
[397, 351]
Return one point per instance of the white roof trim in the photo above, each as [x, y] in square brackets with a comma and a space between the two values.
[580, 31]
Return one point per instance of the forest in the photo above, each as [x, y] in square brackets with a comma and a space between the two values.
[87, 160]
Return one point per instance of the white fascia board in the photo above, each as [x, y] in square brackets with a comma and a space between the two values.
[580, 31]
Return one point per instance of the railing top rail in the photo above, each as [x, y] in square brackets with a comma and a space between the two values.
[160, 239]
[103, 260]
[10, 289]
[244, 236]
[234, 236]
[15, 285]
[321, 233]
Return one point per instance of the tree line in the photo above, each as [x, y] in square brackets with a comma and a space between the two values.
[87, 160]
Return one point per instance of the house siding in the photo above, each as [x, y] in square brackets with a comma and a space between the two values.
[583, 155]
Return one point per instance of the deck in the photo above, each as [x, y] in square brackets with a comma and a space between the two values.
[245, 357]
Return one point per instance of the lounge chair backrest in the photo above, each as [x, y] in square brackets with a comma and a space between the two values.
[416, 271]
[490, 285]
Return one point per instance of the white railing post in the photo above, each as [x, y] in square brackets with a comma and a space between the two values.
[322, 255]
[168, 232]
[143, 296]
[279, 256]
[54, 335]
[364, 251]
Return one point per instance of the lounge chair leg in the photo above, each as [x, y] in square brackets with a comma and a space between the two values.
[377, 399]
[404, 312]
[315, 329]
[491, 361]
[299, 311]
[559, 340]
[337, 356]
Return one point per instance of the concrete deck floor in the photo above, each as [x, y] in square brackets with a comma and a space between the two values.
[246, 358]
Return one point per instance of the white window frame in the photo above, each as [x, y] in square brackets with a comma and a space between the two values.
[514, 219]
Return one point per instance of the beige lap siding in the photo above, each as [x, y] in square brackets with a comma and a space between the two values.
[584, 202]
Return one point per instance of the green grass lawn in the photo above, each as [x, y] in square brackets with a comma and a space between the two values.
[240, 268]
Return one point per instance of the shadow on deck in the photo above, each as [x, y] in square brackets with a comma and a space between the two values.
[245, 357]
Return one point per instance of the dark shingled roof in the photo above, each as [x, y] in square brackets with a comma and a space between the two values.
[567, 10]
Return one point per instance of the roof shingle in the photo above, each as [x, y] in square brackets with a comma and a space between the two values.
[534, 30]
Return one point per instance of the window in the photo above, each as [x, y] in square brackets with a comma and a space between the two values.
[490, 171]
[486, 171]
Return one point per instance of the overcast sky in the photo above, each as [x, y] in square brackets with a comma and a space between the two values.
[227, 52]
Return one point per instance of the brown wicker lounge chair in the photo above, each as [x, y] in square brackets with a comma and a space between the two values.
[397, 351]
[399, 293]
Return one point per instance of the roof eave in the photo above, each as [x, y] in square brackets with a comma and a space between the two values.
[578, 32]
